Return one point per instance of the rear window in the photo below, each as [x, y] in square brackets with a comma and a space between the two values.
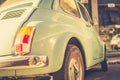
[13, 14]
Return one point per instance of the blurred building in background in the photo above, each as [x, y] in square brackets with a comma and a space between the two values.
[109, 14]
[109, 19]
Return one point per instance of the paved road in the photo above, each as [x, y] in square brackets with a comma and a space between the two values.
[113, 72]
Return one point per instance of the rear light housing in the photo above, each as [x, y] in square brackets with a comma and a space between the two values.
[23, 40]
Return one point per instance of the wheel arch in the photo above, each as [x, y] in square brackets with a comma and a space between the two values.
[76, 42]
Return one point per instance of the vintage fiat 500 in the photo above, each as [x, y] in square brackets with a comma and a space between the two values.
[48, 40]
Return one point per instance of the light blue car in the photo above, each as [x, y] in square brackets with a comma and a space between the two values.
[49, 40]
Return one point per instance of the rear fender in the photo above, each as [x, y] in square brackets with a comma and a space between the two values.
[50, 43]
[54, 47]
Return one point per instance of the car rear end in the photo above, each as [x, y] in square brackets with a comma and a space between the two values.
[14, 61]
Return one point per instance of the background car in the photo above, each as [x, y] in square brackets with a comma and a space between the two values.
[115, 42]
[48, 38]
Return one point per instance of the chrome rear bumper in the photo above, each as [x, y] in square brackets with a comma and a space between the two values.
[22, 62]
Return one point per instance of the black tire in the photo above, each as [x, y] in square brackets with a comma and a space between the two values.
[104, 66]
[73, 67]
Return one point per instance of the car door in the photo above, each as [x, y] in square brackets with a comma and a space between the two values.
[90, 30]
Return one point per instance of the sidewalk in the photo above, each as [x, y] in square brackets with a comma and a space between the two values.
[113, 58]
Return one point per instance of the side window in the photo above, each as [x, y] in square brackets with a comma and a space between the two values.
[85, 13]
[69, 6]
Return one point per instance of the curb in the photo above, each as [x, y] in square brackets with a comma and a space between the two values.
[113, 55]
[113, 62]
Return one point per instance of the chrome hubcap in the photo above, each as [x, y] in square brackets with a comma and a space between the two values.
[74, 73]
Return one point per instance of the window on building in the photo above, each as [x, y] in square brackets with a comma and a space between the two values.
[109, 16]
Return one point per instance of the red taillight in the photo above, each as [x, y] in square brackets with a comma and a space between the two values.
[23, 40]
[26, 38]
[18, 48]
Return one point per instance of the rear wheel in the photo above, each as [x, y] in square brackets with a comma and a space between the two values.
[73, 67]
